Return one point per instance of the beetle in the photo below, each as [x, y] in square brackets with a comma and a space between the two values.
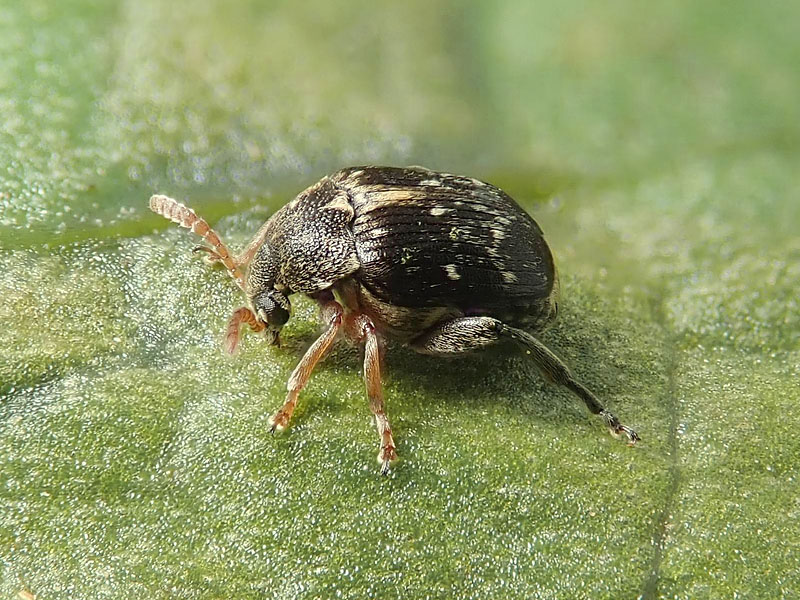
[441, 263]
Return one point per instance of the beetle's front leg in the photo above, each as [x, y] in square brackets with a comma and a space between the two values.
[332, 315]
[372, 378]
[240, 316]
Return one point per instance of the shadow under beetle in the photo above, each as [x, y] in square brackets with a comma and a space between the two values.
[442, 263]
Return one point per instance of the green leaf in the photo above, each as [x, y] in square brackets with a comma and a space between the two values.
[657, 145]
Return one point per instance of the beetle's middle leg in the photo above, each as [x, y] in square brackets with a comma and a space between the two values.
[372, 377]
[332, 315]
[472, 333]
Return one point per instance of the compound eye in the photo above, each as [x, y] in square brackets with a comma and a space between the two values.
[278, 316]
[270, 311]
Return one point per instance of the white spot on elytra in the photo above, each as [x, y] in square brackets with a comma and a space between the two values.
[497, 234]
[438, 211]
[509, 277]
[493, 252]
[452, 272]
[430, 182]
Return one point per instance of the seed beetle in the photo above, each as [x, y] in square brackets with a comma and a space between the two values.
[441, 263]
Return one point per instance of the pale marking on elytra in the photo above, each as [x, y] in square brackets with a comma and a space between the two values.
[452, 272]
[497, 234]
[430, 182]
[493, 252]
[438, 211]
[340, 203]
[384, 195]
[378, 232]
[376, 198]
[509, 277]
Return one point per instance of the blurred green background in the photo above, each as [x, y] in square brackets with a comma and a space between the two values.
[656, 143]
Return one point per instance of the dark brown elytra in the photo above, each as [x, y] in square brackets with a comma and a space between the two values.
[441, 263]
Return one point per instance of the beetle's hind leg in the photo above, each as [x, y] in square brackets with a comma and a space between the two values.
[557, 372]
[472, 333]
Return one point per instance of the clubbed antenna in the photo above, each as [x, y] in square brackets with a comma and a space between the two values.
[186, 217]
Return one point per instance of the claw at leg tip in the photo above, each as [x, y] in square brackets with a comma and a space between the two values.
[386, 458]
[629, 433]
[633, 437]
[275, 426]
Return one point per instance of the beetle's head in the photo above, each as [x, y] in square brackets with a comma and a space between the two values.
[268, 297]
[272, 308]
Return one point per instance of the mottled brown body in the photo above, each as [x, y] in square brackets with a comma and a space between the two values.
[443, 263]
[419, 246]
